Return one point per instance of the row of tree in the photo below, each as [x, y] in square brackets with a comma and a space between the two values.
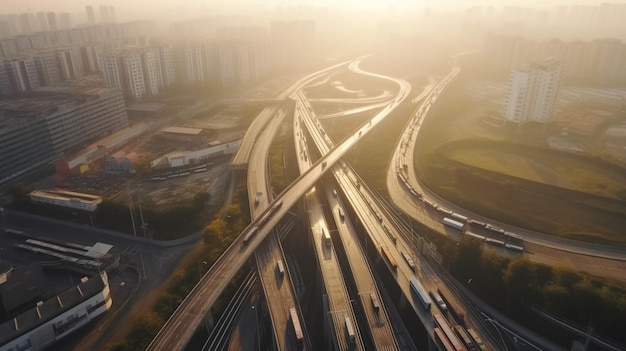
[515, 285]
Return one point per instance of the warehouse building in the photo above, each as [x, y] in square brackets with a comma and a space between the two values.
[50, 321]
[69, 199]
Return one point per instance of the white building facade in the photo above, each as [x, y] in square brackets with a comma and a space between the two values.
[533, 91]
[38, 328]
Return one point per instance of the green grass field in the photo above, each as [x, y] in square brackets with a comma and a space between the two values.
[512, 177]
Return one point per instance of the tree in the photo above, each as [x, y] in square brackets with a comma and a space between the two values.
[519, 278]
[468, 260]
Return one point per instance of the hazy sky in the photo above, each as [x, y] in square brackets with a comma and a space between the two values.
[7, 6]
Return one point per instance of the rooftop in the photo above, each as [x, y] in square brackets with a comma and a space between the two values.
[145, 107]
[66, 195]
[181, 130]
[47, 100]
[53, 307]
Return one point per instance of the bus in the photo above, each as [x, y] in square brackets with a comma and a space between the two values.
[281, 267]
[350, 330]
[495, 242]
[452, 223]
[375, 301]
[250, 235]
[442, 305]
[295, 321]
[326, 237]
[408, 260]
[421, 293]
[474, 235]
[388, 257]
[458, 216]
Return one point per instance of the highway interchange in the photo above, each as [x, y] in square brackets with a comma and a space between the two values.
[380, 222]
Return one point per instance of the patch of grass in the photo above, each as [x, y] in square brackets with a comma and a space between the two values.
[276, 156]
[543, 166]
[525, 204]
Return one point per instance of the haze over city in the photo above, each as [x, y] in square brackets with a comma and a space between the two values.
[312, 175]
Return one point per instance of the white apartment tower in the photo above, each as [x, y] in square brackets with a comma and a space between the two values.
[135, 71]
[133, 74]
[188, 63]
[70, 63]
[227, 54]
[166, 56]
[111, 69]
[533, 91]
[47, 68]
[22, 73]
[151, 64]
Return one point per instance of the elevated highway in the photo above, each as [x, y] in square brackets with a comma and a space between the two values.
[178, 329]
[277, 285]
[338, 310]
[378, 226]
[378, 325]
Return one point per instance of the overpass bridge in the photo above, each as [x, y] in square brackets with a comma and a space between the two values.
[178, 329]
[276, 281]
[377, 324]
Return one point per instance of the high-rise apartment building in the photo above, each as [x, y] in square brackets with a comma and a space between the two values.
[52, 21]
[91, 16]
[135, 71]
[151, 65]
[104, 13]
[112, 13]
[47, 68]
[227, 59]
[65, 21]
[5, 85]
[23, 43]
[70, 63]
[5, 29]
[41, 21]
[609, 54]
[22, 74]
[25, 25]
[533, 91]
[166, 57]
[89, 53]
[8, 47]
[188, 63]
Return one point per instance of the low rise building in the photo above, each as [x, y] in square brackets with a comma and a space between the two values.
[50, 321]
[69, 199]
